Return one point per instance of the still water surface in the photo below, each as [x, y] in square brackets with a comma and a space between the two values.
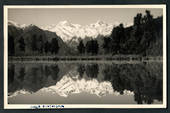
[85, 83]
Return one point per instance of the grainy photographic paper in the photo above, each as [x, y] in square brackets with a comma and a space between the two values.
[87, 56]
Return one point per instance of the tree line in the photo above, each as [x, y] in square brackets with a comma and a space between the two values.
[36, 44]
[137, 39]
[91, 47]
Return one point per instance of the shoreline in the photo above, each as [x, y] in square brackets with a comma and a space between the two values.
[64, 59]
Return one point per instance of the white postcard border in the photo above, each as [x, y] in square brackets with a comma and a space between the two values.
[29, 106]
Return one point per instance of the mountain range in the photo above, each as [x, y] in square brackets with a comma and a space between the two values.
[144, 38]
[17, 31]
[73, 32]
[68, 33]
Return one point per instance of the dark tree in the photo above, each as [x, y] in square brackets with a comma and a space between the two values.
[81, 47]
[92, 47]
[41, 44]
[21, 44]
[88, 47]
[47, 47]
[149, 17]
[150, 25]
[138, 19]
[107, 45]
[95, 47]
[11, 45]
[54, 46]
[144, 33]
[118, 38]
[34, 43]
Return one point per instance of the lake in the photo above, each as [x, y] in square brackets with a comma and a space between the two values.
[85, 83]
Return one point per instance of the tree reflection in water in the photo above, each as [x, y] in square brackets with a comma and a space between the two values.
[137, 78]
[21, 74]
[92, 70]
[144, 80]
[81, 69]
[32, 77]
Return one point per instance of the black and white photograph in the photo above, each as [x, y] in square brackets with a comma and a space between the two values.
[101, 56]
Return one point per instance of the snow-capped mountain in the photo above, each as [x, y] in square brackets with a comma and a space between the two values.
[68, 31]
[19, 92]
[71, 84]
[27, 31]
[73, 32]
[12, 23]
[68, 86]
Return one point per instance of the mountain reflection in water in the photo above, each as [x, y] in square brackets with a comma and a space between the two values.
[108, 83]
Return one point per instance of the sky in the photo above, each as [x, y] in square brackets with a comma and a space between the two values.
[82, 16]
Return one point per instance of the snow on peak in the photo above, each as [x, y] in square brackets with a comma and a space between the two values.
[19, 92]
[23, 25]
[12, 23]
[128, 24]
[69, 85]
[67, 30]
[64, 23]
[100, 22]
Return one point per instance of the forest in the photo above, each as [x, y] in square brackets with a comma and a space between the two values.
[143, 38]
